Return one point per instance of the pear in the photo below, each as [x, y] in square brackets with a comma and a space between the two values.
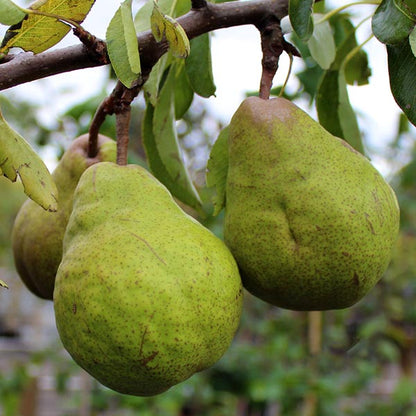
[37, 234]
[145, 296]
[309, 220]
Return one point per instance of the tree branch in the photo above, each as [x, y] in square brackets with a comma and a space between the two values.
[26, 67]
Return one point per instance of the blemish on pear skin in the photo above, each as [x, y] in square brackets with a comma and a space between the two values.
[93, 179]
[370, 224]
[146, 360]
[356, 280]
[150, 247]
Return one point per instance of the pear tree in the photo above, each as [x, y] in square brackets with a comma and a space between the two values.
[309, 223]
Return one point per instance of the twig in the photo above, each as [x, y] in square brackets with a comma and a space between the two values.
[31, 67]
[116, 103]
[95, 46]
[105, 108]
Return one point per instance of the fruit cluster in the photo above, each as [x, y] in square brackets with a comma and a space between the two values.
[145, 296]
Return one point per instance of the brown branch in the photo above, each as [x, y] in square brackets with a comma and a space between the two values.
[28, 67]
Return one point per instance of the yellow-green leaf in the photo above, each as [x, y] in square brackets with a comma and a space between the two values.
[2, 284]
[10, 13]
[37, 32]
[122, 45]
[17, 158]
[157, 22]
[165, 26]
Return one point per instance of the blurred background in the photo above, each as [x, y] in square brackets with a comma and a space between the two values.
[360, 361]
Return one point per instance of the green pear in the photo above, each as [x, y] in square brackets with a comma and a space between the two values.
[145, 296]
[310, 221]
[37, 234]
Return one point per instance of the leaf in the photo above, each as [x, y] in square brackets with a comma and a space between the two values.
[122, 45]
[199, 66]
[36, 33]
[217, 170]
[300, 15]
[173, 8]
[334, 109]
[2, 284]
[157, 22]
[402, 67]
[357, 70]
[17, 158]
[162, 147]
[151, 86]
[407, 7]
[390, 25]
[322, 45]
[164, 26]
[10, 13]
[184, 94]
[184, 191]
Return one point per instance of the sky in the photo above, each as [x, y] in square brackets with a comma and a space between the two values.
[236, 57]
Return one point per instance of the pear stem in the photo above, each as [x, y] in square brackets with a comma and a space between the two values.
[273, 45]
[122, 127]
[120, 98]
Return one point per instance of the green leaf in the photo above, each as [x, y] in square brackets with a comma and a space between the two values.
[356, 70]
[36, 33]
[151, 87]
[334, 109]
[122, 45]
[184, 191]
[162, 147]
[164, 26]
[157, 22]
[199, 66]
[2, 284]
[217, 169]
[321, 44]
[390, 25]
[407, 7]
[17, 158]
[184, 94]
[173, 8]
[165, 131]
[300, 15]
[10, 13]
[402, 70]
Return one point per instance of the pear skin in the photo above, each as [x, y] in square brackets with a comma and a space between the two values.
[145, 296]
[309, 220]
[37, 234]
